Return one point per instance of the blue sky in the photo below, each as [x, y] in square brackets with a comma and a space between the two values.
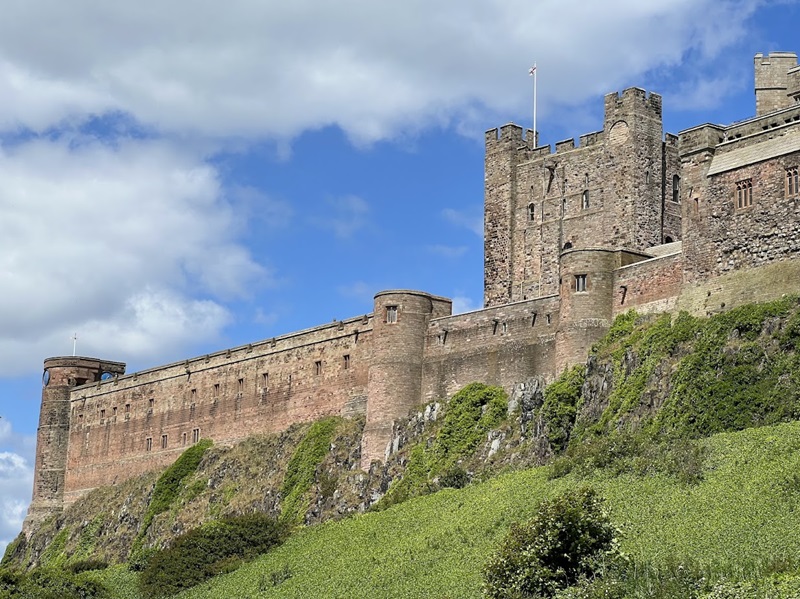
[181, 178]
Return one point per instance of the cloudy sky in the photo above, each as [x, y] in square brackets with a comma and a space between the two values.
[181, 177]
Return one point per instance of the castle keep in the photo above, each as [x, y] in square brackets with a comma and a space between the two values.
[626, 218]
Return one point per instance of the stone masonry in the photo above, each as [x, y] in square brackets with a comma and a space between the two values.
[627, 218]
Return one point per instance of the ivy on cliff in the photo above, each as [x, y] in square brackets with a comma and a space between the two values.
[469, 415]
[302, 468]
[166, 491]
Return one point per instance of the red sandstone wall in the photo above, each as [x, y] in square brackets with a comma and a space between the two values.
[498, 346]
[648, 286]
[308, 377]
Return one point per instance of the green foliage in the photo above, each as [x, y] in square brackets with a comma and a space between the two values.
[302, 468]
[468, 417]
[568, 539]
[87, 565]
[734, 528]
[455, 478]
[736, 376]
[49, 583]
[167, 488]
[623, 452]
[560, 405]
[216, 548]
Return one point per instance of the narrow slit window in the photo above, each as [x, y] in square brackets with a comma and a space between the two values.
[531, 211]
[792, 182]
[240, 386]
[744, 193]
[676, 189]
[183, 439]
[216, 389]
[192, 409]
[580, 282]
[346, 361]
[195, 435]
[585, 200]
[318, 367]
[163, 441]
[148, 444]
[264, 380]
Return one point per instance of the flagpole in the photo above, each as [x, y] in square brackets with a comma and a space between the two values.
[533, 72]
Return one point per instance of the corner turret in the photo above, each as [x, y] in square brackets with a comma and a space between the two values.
[60, 376]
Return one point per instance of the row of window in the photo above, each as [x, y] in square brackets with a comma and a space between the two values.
[498, 326]
[676, 186]
[744, 188]
[148, 442]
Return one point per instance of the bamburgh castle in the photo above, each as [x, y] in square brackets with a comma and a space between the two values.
[626, 218]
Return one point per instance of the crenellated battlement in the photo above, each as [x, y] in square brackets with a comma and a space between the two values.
[632, 101]
[574, 234]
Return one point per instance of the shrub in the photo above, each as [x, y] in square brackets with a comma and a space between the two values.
[569, 539]
[87, 565]
[204, 552]
[454, 478]
[49, 583]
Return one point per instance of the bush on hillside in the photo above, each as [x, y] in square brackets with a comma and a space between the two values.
[49, 583]
[570, 539]
[204, 552]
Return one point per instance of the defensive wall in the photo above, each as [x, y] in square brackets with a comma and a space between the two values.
[628, 218]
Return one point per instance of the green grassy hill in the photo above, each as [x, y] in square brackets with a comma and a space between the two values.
[649, 422]
[741, 522]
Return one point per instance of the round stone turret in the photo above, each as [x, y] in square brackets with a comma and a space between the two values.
[395, 374]
[60, 376]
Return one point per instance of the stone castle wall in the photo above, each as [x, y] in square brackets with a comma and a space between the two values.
[127, 425]
[625, 219]
[616, 189]
[498, 346]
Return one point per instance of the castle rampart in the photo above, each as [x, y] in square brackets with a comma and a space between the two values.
[626, 218]
[127, 425]
[498, 346]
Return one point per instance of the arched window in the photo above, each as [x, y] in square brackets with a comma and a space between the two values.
[568, 245]
[676, 189]
[668, 239]
[585, 199]
[531, 211]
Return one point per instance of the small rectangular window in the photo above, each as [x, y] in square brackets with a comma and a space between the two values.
[183, 439]
[792, 182]
[195, 435]
[744, 193]
[148, 444]
[114, 411]
[216, 389]
[441, 338]
[265, 380]
[318, 367]
[102, 414]
[346, 361]
[194, 394]
[580, 282]
[391, 314]
[240, 386]
[127, 408]
[192, 409]
[163, 441]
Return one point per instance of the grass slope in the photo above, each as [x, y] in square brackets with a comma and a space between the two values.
[741, 522]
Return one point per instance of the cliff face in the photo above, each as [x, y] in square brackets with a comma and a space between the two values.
[650, 379]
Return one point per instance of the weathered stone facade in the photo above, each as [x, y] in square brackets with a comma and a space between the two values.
[628, 218]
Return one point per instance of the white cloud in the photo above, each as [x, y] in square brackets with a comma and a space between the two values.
[16, 481]
[116, 243]
[348, 214]
[472, 220]
[377, 70]
[463, 304]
